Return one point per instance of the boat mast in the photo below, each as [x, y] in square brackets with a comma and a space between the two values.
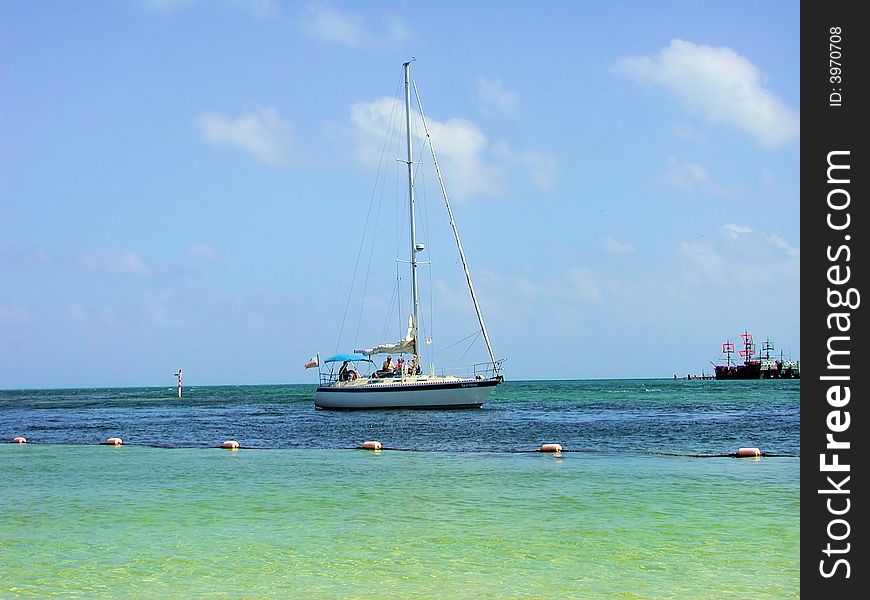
[727, 350]
[456, 236]
[414, 293]
[748, 347]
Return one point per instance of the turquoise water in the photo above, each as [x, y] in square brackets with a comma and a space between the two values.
[457, 517]
[145, 522]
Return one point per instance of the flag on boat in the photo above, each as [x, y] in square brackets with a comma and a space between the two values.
[313, 362]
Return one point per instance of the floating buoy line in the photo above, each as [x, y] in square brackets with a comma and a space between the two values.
[374, 445]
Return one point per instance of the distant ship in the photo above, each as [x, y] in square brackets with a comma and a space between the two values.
[762, 367]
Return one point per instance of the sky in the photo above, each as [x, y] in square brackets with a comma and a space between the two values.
[213, 186]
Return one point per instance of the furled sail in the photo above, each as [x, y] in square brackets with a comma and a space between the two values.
[408, 345]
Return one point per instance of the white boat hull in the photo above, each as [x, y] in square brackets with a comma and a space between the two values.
[453, 393]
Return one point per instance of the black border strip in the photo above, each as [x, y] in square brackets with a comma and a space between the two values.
[834, 107]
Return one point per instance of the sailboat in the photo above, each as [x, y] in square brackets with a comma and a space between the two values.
[408, 387]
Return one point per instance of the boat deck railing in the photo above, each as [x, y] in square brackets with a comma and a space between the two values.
[486, 370]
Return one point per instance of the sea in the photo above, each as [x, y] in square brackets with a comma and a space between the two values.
[644, 501]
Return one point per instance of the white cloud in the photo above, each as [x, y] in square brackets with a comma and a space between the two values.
[89, 316]
[719, 84]
[262, 133]
[14, 316]
[688, 132]
[197, 257]
[582, 284]
[460, 145]
[542, 167]
[494, 97]
[372, 121]
[545, 301]
[472, 166]
[784, 245]
[202, 253]
[257, 8]
[127, 263]
[25, 258]
[617, 248]
[327, 24]
[567, 288]
[78, 313]
[156, 309]
[702, 263]
[735, 231]
[689, 176]
[741, 259]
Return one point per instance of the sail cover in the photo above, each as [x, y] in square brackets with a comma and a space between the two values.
[408, 345]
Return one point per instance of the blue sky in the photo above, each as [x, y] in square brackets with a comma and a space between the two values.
[185, 184]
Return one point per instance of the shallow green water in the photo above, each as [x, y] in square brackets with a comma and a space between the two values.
[96, 521]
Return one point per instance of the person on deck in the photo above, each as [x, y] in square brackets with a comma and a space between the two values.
[386, 369]
[342, 372]
[400, 364]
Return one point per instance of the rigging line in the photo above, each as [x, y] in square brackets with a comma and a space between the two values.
[368, 272]
[399, 213]
[429, 270]
[470, 345]
[390, 309]
[422, 198]
[476, 333]
[365, 226]
[396, 297]
[431, 306]
[431, 314]
[399, 209]
[400, 219]
[390, 128]
[420, 179]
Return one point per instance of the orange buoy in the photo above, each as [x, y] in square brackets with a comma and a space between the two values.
[748, 452]
[230, 445]
[371, 445]
[113, 442]
[551, 448]
[20, 440]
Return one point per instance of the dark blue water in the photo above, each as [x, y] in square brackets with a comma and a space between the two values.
[704, 417]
